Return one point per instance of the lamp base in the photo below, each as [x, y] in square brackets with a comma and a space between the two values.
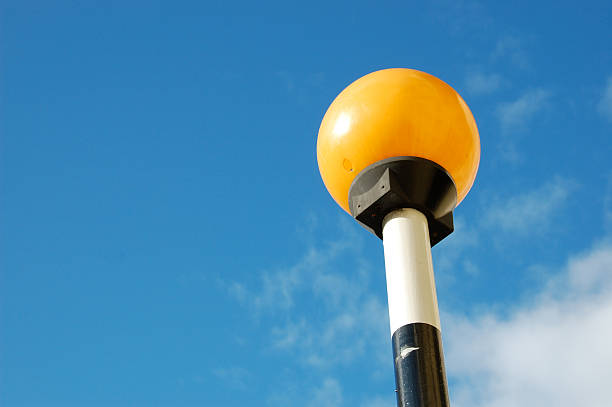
[404, 182]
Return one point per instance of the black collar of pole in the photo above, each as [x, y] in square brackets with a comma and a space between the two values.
[404, 182]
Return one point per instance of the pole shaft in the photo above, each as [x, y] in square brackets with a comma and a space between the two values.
[413, 311]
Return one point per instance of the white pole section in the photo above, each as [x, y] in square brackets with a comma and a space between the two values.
[420, 377]
[411, 287]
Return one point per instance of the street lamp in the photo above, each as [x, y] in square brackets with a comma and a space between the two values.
[399, 149]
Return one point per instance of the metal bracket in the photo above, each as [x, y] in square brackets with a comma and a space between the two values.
[404, 182]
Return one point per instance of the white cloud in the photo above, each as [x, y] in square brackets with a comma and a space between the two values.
[329, 394]
[459, 15]
[448, 252]
[380, 402]
[479, 83]
[292, 334]
[552, 351]
[529, 212]
[235, 377]
[278, 288]
[605, 103]
[344, 301]
[516, 114]
[321, 342]
[511, 48]
[287, 79]
[607, 203]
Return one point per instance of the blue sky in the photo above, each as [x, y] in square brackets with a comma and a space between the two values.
[166, 239]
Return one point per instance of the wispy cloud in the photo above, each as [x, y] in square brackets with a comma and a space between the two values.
[511, 48]
[529, 212]
[287, 79]
[551, 351]
[517, 113]
[278, 288]
[234, 377]
[344, 305]
[526, 349]
[464, 236]
[605, 103]
[328, 394]
[479, 83]
[298, 83]
[380, 402]
[449, 255]
[458, 15]
[607, 203]
[321, 342]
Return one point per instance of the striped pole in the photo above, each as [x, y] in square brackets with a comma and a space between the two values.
[413, 311]
[397, 139]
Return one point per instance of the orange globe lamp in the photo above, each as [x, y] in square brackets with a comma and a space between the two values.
[399, 149]
[397, 112]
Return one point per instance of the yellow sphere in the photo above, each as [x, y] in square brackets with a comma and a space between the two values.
[397, 112]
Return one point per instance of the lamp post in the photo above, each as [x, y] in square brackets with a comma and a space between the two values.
[398, 149]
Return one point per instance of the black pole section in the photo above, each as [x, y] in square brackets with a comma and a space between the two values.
[420, 377]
